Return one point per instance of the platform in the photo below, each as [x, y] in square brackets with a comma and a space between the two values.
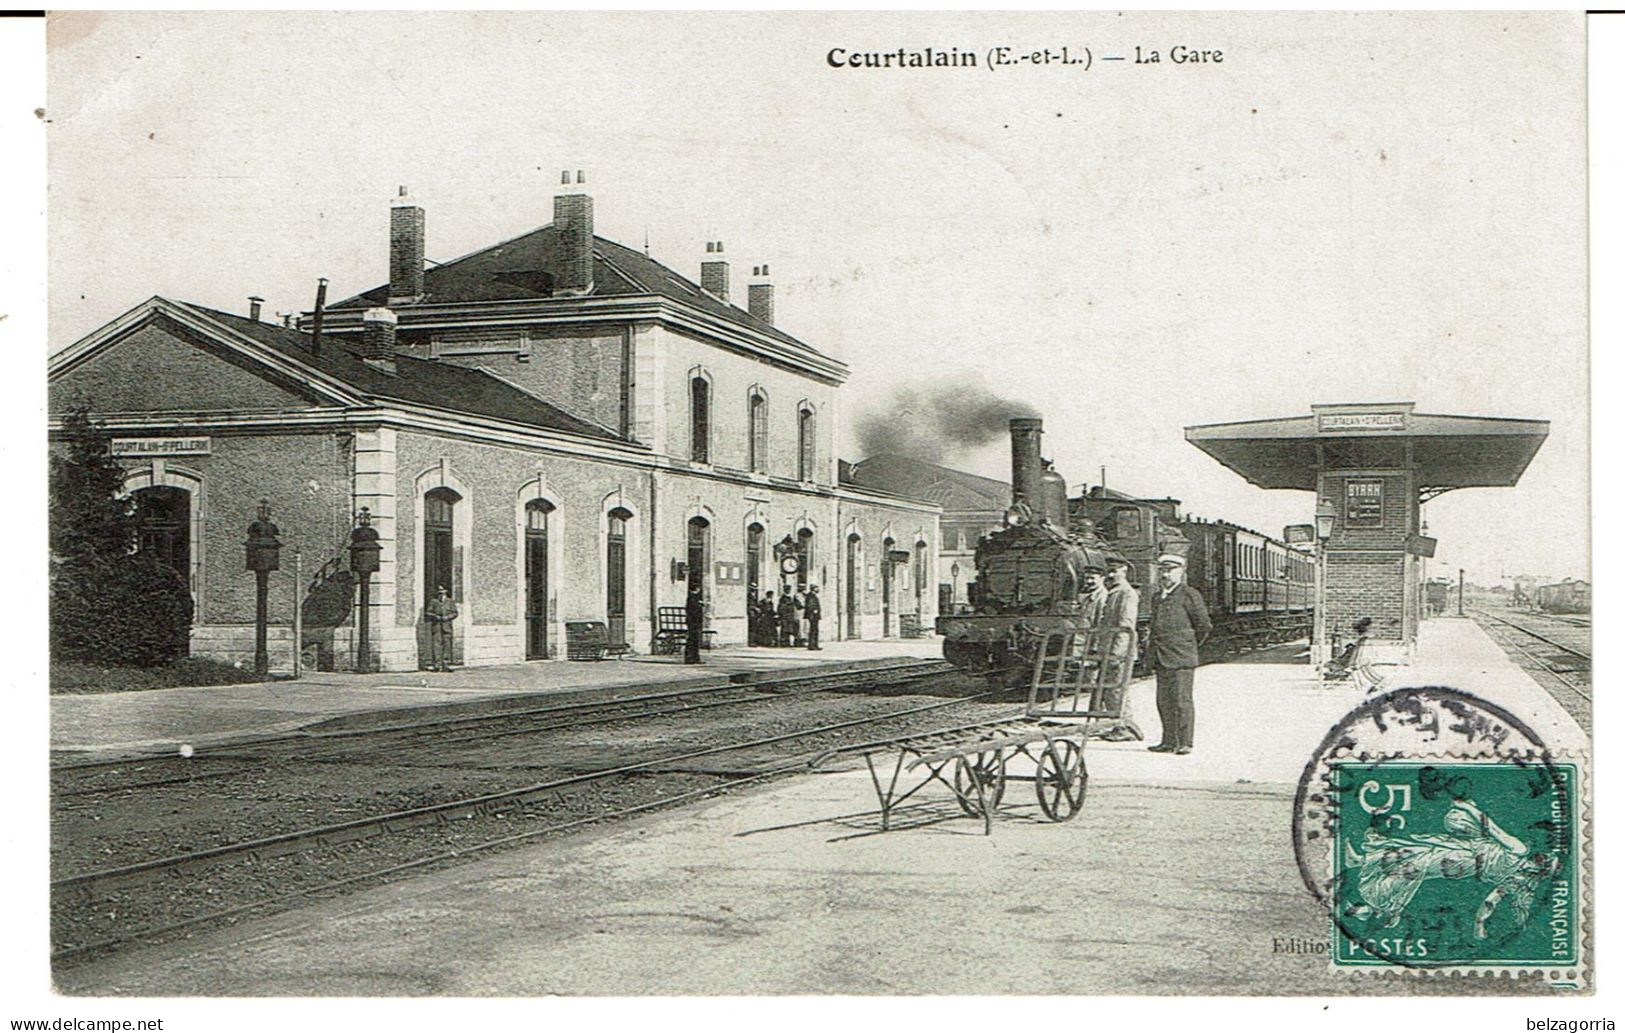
[1187, 883]
[158, 720]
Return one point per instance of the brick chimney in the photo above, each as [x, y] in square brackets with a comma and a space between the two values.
[572, 219]
[714, 270]
[378, 339]
[761, 295]
[405, 250]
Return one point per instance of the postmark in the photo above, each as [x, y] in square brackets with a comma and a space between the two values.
[1441, 835]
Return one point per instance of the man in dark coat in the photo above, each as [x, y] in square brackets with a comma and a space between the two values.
[767, 614]
[789, 618]
[812, 609]
[695, 614]
[1179, 625]
[440, 613]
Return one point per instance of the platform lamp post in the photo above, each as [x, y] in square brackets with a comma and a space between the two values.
[263, 551]
[1325, 524]
[364, 550]
[953, 572]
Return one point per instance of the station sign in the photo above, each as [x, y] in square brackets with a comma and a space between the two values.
[1420, 545]
[1361, 421]
[1298, 534]
[160, 446]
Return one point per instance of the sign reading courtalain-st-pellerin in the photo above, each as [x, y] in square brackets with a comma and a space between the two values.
[160, 446]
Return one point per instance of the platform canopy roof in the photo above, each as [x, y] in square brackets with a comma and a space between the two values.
[1448, 451]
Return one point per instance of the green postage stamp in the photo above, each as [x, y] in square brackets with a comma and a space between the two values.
[1445, 864]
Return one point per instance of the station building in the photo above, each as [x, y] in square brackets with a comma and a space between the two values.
[1371, 466]
[556, 428]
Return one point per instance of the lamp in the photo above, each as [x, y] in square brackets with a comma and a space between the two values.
[1325, 519]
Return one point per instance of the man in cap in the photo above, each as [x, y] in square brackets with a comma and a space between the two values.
[1179, 626]
[1121, 610]
[813, 611]
[440, 614]
[694, 622]
[1092, 593]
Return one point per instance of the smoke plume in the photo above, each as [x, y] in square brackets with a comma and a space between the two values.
[938, 422]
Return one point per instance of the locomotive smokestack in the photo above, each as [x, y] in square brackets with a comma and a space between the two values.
[1026, 436]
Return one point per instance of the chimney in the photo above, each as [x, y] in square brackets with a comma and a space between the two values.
[254, 303]
[378, 339]
[714, 270]
[572, 220]
[316, 317]
[1026, 438]
[405, 250]
[761, 295]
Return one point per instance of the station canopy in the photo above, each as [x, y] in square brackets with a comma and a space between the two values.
[1448, 451]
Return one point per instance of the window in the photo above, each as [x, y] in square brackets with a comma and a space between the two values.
[439, 554]
[757, 446]
[1126, 523]
[699, 420]
[806, 444]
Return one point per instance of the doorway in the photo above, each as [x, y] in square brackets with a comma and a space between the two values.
[854, 571]
[536, 585]
[615, 576]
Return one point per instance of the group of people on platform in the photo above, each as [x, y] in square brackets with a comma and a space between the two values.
[791, 621]
[1179, 625]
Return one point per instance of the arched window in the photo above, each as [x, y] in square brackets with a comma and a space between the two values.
[699, 420]
[806, 444]
[755, 557]
[757, 446]
[439, 555]
[615, 575]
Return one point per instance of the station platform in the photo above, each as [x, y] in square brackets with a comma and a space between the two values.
[1188, 883]
[162, 720]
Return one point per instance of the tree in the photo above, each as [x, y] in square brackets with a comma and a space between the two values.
[110, 602]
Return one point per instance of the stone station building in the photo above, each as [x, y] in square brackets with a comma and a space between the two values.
[557, 428]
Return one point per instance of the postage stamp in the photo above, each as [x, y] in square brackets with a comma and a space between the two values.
[1442, 835]
[1452, 863]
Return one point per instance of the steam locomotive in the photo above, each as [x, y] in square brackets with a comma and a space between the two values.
[1258, 590]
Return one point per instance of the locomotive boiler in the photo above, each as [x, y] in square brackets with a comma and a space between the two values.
[1028, 573]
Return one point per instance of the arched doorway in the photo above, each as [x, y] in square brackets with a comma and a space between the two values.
[804, 558]
[887, 574]
[854, 574]
[699, 552]
[921, 576]
[164, 526]
[615, 575]
[537, 512]
[755, 557]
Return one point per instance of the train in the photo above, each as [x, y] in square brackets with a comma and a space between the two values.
[1258, 590]
[1569, 596]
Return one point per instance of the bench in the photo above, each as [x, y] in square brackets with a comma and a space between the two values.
[589, 640]
[671, 630]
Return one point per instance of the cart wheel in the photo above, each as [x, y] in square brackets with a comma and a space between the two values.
[986, 769]
[1061, 780]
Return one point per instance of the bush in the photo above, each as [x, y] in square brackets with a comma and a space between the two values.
[134, 610]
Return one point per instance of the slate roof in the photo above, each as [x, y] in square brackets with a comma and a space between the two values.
[915, 478]
[419, 381]
[515, 270]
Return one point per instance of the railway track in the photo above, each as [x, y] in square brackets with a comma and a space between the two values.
[1567, 666]
[313, 744]
[325, 858]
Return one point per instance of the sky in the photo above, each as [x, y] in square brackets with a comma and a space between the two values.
[1367, 207]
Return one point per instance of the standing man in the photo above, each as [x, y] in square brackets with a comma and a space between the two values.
[813, 610]
[768, 621]
[789, 621]
[1121, 610]
[1091, 597]
[439, 614]
[695, 615]
[1179, 626]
